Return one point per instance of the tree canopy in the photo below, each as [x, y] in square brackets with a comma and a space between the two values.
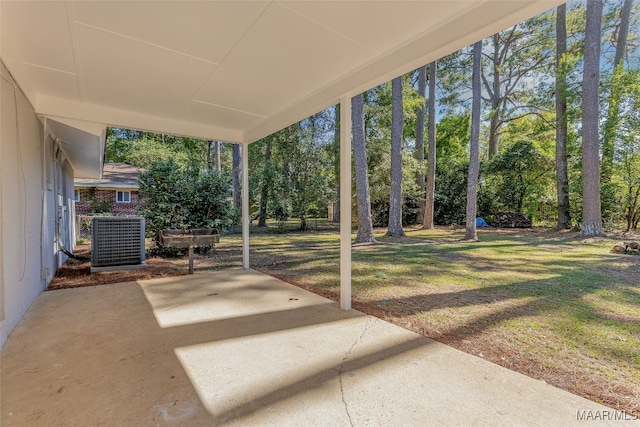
[531, 133]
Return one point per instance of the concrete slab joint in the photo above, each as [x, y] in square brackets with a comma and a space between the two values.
[370, 322]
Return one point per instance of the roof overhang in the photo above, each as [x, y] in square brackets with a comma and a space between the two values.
[234, 71]
[82, 142]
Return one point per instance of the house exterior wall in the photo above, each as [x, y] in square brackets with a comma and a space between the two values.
[32, 181]
[107, 197]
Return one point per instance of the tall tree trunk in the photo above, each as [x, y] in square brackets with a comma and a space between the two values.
[431, 169]
[237, 177]
[420, 113]
[495, 99]
[363, 200]
[591, 209]
[336, 166]
[395, 200]
[608, 143]
[217, 155]
[266, 185]
[474, 156]
[623, 32]
[562, 178]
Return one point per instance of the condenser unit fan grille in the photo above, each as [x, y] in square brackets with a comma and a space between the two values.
[117, 241]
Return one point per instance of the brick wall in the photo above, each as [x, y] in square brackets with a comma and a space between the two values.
[106, 198]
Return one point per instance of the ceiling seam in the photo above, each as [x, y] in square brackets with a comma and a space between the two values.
[75, 49]
[228, 108]
[49, 68]
[332, 30]
[193, 97]
[177, 52]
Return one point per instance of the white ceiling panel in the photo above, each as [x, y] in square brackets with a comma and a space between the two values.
[369, 23]
[206, 30]
[228, 70]
[276, 60]
[216, 115]
[61, 84]
[37, 33]
[127, 74]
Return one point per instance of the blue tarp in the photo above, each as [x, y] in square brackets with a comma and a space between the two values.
[480, 222]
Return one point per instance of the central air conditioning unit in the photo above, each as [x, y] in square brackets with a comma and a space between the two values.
[117, 243]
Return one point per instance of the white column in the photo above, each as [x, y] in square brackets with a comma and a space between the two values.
[245, 205]
[345, 203]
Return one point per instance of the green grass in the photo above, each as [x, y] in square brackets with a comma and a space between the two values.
[552, 300]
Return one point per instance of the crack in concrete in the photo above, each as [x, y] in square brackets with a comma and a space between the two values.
[370, 321]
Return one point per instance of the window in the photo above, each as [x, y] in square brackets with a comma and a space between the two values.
[76, 195]
[123, 196]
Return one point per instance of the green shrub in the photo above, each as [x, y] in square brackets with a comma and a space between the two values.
[175, 197]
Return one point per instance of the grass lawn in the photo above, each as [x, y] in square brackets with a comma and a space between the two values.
[551, 305]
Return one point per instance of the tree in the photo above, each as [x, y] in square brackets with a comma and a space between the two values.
[420, 113]
[397, 122]
[363, 200]
[591, 210]
[562, 178]
[304, 185]
[608, 143]
[267, 182]
[512, 55]
[610, 204]
[474, 156]
[180, 197]
[628, 164]
[145, 152]
[431, 169]
[522, 166]
[237, 179]
[335, 215]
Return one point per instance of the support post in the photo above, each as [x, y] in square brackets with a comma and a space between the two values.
[345, 203]
[245, 206]
[190, 259]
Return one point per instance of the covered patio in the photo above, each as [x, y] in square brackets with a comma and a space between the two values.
[238, 347]
[234, 347]
[216, 70]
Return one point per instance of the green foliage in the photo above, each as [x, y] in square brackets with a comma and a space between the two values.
[294, 172]
[142, 149]
[452, 162]
[175, 197]
[145, 152]
[451, 194]
[519, 171]
[293, 169]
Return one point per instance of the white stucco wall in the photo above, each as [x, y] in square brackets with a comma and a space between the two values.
[27, 205]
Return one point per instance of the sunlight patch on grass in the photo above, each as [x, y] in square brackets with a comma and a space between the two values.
[562, 302]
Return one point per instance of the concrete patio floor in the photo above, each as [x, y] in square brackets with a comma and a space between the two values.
[242, 348]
